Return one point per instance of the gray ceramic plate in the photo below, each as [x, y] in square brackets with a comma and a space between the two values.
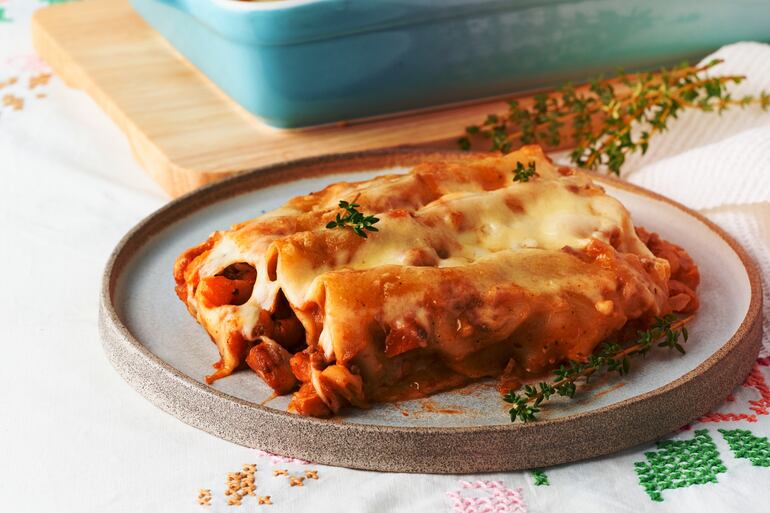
[159, 349]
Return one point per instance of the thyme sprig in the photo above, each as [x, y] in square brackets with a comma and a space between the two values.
[353, 218]
[665, 332]
[612, 118]
[523, 174]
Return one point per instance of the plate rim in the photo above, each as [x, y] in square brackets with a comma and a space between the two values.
[115, 333]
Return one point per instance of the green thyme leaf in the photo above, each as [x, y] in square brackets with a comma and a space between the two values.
[356, 220]
[609, 357]
[613, 118]
[523, 174]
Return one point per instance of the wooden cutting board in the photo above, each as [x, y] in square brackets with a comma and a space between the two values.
[183, 130]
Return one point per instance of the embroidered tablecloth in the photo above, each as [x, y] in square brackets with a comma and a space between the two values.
[75, 438]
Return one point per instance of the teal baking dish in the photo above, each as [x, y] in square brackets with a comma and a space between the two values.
[297, 63]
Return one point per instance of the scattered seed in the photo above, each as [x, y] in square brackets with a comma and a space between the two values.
[39, 79]
[204, 497]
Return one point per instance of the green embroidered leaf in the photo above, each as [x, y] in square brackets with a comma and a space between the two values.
[745, 445]
[540, 477]
[679, 464]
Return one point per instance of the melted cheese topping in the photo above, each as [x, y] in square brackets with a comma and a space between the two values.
[449, 233]
[551, 211]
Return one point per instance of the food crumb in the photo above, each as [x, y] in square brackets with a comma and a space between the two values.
[204, 497]
[280, 472]
[264, 499]
[241, 484]
[14, 102]
[311, 474]
[296, 481]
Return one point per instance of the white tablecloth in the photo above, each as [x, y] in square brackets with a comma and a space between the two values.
[75, 438]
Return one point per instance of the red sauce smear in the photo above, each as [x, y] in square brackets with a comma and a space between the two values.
[612, 388]
[431, 407]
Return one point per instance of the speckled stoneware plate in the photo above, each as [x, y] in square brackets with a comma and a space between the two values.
[159, 349]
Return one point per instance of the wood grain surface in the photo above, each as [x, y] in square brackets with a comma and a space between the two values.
[183, 130]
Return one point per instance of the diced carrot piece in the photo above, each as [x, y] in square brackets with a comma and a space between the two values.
[307, 402]
[300, 366]
[289, 333]
[219, 290]
[271, 361]
[406, 338]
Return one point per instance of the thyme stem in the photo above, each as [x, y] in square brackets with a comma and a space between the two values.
[612, 118]
[666, 332]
